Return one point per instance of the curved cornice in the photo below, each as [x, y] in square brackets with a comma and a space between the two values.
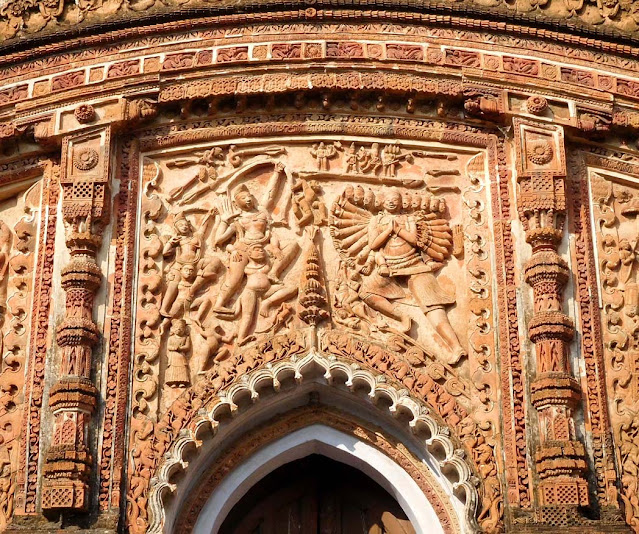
[30, 23]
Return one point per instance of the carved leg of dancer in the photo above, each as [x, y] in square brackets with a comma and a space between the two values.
[203, 305]
[248, 304]
[305, 214]
[276, 298]
[169, 298]
[389, 309]
[232, 281]
[439, 319]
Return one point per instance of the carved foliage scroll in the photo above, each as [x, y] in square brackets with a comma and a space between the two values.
[18, 237]
[614, 200]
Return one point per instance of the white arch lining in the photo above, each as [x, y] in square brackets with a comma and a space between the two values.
[321, 439]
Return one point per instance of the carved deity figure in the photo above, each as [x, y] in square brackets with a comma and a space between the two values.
[323, 153]
[351, 164]
[393, 247]
[307, 207]
[251, 225]
[390, 159]
[369, 160]
[144, 464]
[259, 293]
[189, 270]
[178, 348]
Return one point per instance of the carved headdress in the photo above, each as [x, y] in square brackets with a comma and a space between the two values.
[241, 189]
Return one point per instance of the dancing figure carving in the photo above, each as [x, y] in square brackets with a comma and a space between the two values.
[189, 270]
[248, 225]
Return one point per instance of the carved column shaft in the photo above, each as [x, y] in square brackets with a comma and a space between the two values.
[555, 394]
[72, 398]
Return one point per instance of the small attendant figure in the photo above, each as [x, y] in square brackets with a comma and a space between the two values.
[178, 347]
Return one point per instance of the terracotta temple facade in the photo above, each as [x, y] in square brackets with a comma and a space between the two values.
[244, 243]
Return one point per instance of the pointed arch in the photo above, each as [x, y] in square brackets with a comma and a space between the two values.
[428, 508]
[274, 390]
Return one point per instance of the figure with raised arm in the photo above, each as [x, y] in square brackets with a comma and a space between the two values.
[395, 239]
[189, 270]
[251, 225]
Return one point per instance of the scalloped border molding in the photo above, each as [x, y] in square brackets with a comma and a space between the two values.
[302, 369]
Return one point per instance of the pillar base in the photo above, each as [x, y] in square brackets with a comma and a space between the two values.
[66, 494]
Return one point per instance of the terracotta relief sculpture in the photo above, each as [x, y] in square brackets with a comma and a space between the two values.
[230, 264]
[412, 223]
[251, 227]
[225, 273]
[72, 399]
[614, 199]
[377, 249]
[6, 240]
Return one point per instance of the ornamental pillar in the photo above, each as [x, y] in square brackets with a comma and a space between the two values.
[555, 394]
[72, 399]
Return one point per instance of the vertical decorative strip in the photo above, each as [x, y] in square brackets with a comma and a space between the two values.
[555, 394]
[73, 397]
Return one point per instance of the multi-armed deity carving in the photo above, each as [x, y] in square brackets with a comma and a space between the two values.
[386, 238]
[233, 222]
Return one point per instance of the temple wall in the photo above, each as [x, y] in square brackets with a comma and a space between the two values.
[438, 222]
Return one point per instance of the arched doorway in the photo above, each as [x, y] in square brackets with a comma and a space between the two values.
[427, 501]
[317, 494]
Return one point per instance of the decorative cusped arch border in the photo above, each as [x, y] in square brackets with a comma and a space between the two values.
[421, 423]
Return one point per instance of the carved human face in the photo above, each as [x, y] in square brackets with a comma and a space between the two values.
[178, 328]
[392, 202]
[182, 226]
[257, 254]
[188, 271]
[244, 200]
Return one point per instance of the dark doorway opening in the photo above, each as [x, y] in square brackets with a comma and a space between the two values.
[317, 495]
